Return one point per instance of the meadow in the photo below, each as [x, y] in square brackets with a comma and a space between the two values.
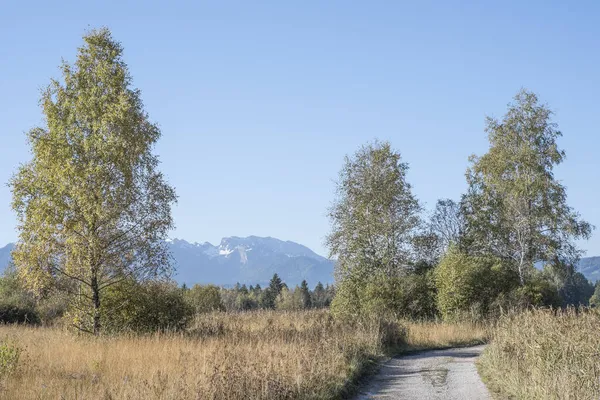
[545, 354]
[262, 355]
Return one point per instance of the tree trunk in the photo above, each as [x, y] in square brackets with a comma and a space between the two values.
[96, 301]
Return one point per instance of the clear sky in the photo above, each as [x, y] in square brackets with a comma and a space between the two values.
[259, 101]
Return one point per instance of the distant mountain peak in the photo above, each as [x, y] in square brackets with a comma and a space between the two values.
[251, 259]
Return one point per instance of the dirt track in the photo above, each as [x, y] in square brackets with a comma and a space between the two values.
[438, 374]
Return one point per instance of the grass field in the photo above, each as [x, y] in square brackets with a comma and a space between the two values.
[263, 355]
[543, 354]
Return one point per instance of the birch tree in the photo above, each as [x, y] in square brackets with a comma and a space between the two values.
[516, 209]
[375, 215]
[92, 207]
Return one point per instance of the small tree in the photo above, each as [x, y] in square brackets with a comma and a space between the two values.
[319, 296]
[270, 294]
[91, 206]
[305, 295]
[289, 300]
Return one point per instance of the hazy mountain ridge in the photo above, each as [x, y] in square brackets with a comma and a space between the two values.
[255, 259]
[248, 260]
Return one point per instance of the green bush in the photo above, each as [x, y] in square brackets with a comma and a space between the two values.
[406, 296]
[17, 305]
[145, 307]
[9, 357]
[467, 286]
[205, 298]
[18, 314]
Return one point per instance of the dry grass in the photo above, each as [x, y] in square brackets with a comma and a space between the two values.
[543, 354]
[437, 334]
[265, 355]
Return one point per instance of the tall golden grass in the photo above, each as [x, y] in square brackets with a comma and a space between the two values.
[259, 355]
[545, 354]
[422, 335]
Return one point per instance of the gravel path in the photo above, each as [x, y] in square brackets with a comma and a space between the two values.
[438, 374]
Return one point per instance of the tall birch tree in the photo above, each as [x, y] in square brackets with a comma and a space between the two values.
[516, 209]
[92, 207]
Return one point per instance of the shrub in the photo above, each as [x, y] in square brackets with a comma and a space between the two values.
[145, 307]
[407, 296]
[17, 305]
[18, 314]
[468, 285]
[9, 357]
[205, 298]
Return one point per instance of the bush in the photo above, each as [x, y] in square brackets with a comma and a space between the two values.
[205, 299]
[9, 358]
[52, 308]
[17, 305]
[469, 285]
[145, 307]
[18, 314]
[407, 296]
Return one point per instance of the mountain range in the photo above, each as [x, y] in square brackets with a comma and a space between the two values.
[254, 259]
[248, 260]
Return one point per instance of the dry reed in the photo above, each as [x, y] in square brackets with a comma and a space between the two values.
[259, 355]
[545, 354]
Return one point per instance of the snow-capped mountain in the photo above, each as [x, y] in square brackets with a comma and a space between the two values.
[248, 260]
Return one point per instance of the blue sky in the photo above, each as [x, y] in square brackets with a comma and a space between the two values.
[259, 101]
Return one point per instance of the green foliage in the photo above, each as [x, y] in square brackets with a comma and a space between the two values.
[374, 216]
[408, 296]
[305, 297]
[269, 297]
[468, 285]
[204, 298]
[289, 300]
[515, 208]
[91, 206]
[145, 307]
[595, 299]
[319, 298]
[374, 221]
[52, 307]
[17, 305]
[9, 357]
[576, 290]
[16, 314]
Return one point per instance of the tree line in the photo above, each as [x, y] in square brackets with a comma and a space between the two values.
[508, 242]
[276, 296]
[162, 305]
